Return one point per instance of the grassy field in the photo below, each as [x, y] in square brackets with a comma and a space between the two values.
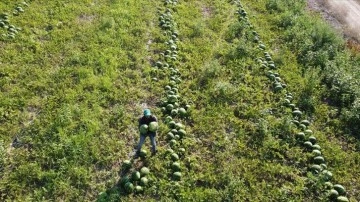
[77, 75]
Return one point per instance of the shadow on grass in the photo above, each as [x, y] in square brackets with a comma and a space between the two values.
[118, 191]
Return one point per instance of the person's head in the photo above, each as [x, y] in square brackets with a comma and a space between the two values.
[147, 113]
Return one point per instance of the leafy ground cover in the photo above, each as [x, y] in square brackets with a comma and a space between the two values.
[75, 79]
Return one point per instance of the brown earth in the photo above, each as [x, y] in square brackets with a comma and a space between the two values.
[343, 15]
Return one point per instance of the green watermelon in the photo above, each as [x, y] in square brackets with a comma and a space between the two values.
[126, 164]
[181, 133]
[319, 160]
[153, 126]
[144, 171]
[340, 189]
[182, 112]
[316, 146]
[312, 139]
[124, 180]
[342, 199]
[305, 122]
[170, 136]
[327, 175]
[300, 136]
[333, 194]
[177, 175]
[297, 113]
[179, 126]
[316, 152]
[169, 107]
[135, 176]
[144, 181]
[182, 150]
[316, 168]
[138, 189]
[144, 129]
[328, 185]
[143, 153]
[176, 166]
[172, 124]
[129, 187]
[308, 132]
[173, 143]
[308, 144]
[174, 157]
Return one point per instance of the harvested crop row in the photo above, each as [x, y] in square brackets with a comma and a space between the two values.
[304, 136]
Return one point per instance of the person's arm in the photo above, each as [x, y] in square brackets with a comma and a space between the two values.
[140, 122]
[154, 119]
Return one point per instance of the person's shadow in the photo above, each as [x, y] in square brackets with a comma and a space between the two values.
[116, 192]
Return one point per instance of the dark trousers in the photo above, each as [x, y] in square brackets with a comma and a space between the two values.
[152, 139]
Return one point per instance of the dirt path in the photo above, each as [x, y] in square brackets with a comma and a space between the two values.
[343, 14]
[349, 10]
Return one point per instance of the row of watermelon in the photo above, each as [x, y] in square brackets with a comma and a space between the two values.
[305, 136]
[10, 29]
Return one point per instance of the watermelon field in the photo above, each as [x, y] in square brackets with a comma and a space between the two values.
[256, 101]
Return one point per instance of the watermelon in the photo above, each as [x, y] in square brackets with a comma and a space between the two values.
[177, 137]
[312, 139]
[144, 129]
[126, 164]
[135, 176]
[340, 189]
[328, 185]
[308, 144]
[182, 150]
[315, 168]
[174, 131]
[300, 136]
[169, 151]
[333, 194]
[174, 112]
[182, 112]
[129, 187]
[170, 136]
[308, 132]
[174, 157]
[176, 166]
[316, 146]
[169, 107]
[302, 127]
[297, 113]
[144, 171]
[144, 181]
[181, 133]
[172, 98]
[319, 160]
[124, 180]
[323, 166]
[327, 175]
[342, 199]
[278, 87]
[173, 143]
[305, 122]
[172, 124]
[177, 175]
[316, 152]
[143, 153]
[138, 189]
[153, 126]
[179, 126]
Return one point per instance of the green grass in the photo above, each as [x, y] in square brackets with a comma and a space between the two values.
[77, 76]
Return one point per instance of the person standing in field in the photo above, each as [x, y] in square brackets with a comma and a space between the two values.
[147, 119]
